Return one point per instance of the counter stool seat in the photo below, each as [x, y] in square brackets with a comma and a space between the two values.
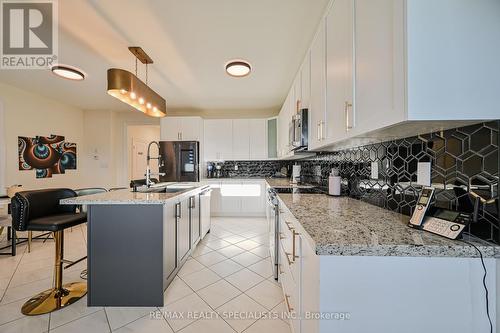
[57, 222]
[41, 210]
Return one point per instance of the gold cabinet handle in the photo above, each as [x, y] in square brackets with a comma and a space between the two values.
[294, 252]
[290, 309]
[318, 130]
[347, 105]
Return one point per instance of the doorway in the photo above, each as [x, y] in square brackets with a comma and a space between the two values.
[138, 139]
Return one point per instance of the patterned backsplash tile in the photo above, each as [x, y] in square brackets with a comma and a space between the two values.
[464, 166]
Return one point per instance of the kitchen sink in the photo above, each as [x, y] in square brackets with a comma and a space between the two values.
[163, 189]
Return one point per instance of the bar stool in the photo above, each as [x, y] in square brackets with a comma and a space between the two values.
[40, 211]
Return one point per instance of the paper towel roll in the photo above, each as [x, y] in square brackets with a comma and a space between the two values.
[334, 185]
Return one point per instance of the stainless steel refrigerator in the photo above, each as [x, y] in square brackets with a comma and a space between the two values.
[181, 161]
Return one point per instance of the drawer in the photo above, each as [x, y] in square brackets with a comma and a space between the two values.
[291, 243]
[290, 291]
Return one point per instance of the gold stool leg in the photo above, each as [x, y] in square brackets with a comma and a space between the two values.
[30, 236]
[59, 296]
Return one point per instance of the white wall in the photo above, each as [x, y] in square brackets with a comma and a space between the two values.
[27, 114]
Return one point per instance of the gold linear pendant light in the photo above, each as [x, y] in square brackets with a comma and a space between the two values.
[129, 89]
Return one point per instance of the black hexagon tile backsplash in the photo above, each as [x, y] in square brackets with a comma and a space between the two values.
[464, 166]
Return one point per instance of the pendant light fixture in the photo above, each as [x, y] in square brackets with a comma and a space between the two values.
[129, 89]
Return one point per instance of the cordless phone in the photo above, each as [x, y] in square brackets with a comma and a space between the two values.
[442, 222]
[423, 204]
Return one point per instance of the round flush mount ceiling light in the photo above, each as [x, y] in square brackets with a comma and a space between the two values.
[68, 72]
[238, 68]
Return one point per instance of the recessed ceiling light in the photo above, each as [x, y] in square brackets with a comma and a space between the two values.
[68, 72]
[238, 68]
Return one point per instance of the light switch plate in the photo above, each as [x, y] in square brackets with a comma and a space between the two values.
[424, 173]
[374, 170]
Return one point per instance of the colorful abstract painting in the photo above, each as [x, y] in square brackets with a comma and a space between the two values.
[47, 155]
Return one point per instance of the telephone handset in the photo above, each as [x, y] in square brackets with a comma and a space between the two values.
[424, 201]
[442, 222]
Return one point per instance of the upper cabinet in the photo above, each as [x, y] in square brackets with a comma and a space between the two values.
[317, 102]
[381, 69]
[305, 78]
[235, 139]
[339, 117]
[379, 74]
[218, 139]
[181, 129]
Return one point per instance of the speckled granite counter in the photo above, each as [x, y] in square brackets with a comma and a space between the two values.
[127, 197]
[345, 226]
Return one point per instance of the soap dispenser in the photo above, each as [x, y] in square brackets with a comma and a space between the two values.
[334, 181]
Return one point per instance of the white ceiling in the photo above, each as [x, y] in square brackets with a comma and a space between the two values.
[189, 41]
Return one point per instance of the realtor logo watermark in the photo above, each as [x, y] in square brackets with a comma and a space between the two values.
[29, 34]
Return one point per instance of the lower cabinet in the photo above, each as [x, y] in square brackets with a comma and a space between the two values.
[183, 229]
[170, 240]
[241, 197]
[194, 216]
[298, 274]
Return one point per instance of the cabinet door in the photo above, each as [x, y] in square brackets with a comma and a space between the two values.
[183, 230]
[215, 198]
[190, 128]
[169, 239]
[253, 199]
[305, 77]
[194, 214]
[170, 128]
[218, 134]
[241, 139]
[258, 139]
[230, 204]
[379, 58]
[318, 86]
[340, 108]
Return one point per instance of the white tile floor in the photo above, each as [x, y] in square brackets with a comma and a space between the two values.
[223, 287]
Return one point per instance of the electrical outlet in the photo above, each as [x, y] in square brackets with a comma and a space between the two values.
[424, 173]
[374, 170]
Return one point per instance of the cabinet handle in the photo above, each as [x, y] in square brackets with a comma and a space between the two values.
[294, 251]
[348, 122]
[290, 309]
[321, 136]
[318, 130]
[192, 202]
[178, 210]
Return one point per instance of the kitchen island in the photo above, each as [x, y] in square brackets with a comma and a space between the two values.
[360, 268]
[137, 242]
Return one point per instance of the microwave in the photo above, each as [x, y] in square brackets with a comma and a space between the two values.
[299, 130]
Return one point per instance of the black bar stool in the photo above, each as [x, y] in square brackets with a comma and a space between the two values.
[40, 211]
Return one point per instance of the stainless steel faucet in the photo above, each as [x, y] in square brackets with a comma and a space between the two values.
[148, 169]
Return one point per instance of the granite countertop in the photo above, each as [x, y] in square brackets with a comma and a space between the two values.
[127, 197]
[346, 226]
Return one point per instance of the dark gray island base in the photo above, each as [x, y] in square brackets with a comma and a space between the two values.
[125, 263]
[137, 242]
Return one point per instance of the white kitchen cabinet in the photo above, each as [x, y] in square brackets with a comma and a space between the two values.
[382, 69]
[318, 88]
[238, 197]
[305, 77]
[258, 138]
[181, 128]
[241, 139]
[218, 139]
[339, 72]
